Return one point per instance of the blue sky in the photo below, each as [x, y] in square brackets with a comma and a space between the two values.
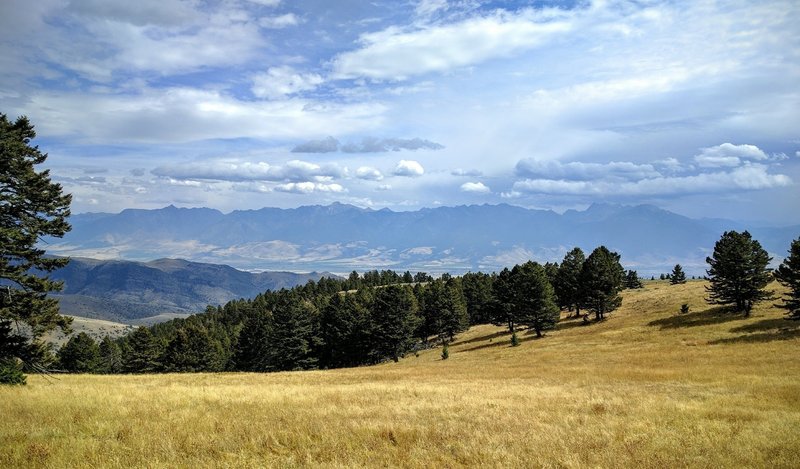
[693, 106]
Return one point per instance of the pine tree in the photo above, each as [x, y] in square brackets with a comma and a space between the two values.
[80, 354]
[678, 276]
[477, 288]
[788, 274]
[192, 349]
[291, 338]
[252, 348]
[344, 326]
[632, 280]
[141, 352]
[110, 360]
[738, 272]
[393, 322]
[601, 278]
[31, 207]
[568, 281]
[535, 298]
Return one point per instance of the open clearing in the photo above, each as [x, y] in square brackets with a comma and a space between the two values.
[648, 387]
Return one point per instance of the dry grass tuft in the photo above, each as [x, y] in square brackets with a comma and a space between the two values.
[649, 387]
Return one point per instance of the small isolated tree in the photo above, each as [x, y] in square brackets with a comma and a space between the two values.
[31, 207]
[602, 276]
[788, 274]
[632, 280]
[678, 276]
[738, 272]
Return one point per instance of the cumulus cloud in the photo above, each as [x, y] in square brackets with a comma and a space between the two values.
[307, 187]
[369, 173]
[326, 145]
[531, 168]
[395, 53]
[408, 168]
[278, 82]
[476, 187]
[294, 171]
[728, 155]
[748, 177]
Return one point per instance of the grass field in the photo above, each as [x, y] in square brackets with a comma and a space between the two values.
[648, 387]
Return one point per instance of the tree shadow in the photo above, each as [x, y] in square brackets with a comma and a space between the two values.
[564, 325]
[707, 317]
[526, 337]
[480, 339]
[766, 330]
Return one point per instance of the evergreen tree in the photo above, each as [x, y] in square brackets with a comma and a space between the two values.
[677, 276]
[141, 352]
[110, 359]
[504, 307]
[344, 327]
[394, 320]
[291, 338]
[31, 207]
[535, 298]
[477, 288]
[632, 280]
[738, 272]
[568, 281]
[788, 274]
[192, 349]
[601, 278]
[443, 310]
[252, 348]
[80, 354]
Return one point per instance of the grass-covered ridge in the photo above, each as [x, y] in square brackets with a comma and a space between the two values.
[648, 387]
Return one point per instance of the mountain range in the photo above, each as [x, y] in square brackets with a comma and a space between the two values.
[341, 238]
[127, 291]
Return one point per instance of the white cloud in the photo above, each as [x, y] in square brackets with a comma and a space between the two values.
[278, 22]
[295, 171]
[278, 82]
[408, 168]
[398, 54]
[476, 187]
[466, 172]
[749, 177]
[266, 3]
[369, 173]
[728, 155]
[308, 187]
[550, 169]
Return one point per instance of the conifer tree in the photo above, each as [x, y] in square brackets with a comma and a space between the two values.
[568, 281]
[252, 348]
[80, 354]
[291, 338]
[477, 288]
[344, 326]
[192, 349]
[394, 319]
[601, 279]
[678, 276]
[535, 298]
[31, 207]
[738, 272]
[632, 280]
[141, 352]
[788, 274]
[110, 359]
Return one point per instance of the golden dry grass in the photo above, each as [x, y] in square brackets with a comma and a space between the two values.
[646, 388]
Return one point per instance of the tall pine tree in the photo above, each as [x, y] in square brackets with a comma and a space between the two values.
[788, 274]
[678, 276]
[601, 281]
[568, 281]
[738, 272]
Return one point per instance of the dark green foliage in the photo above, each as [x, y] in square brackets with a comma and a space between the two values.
[345, 325]
[738, 272]
[788, 273]
[291, 338]
[394, 320]
[445, 351]
[684, 308]
[525, 297]
[662, 277]
[141, 352]
[31, 207]
[80, 354]
[632, 280]
[252, 349]
[477, 289]
[677, 276]
[514, 339]
[601, 282]
[192, 349]
[11, 371]
[443, 310]
[567, 286]
[110, 359]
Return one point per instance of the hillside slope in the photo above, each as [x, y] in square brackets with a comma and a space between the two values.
[648, 388]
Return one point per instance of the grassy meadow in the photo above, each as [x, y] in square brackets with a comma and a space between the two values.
[648, 387]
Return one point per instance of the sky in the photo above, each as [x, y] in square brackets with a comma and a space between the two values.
[239, 104]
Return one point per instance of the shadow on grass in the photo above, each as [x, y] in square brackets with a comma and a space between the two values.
[766, 330]
[506, 341]
[707, 317]
[567, 324]
[480, 339]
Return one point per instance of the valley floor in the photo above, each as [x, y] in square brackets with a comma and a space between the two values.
[648, 387]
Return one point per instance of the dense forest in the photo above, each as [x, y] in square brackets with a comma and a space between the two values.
[364, 319]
